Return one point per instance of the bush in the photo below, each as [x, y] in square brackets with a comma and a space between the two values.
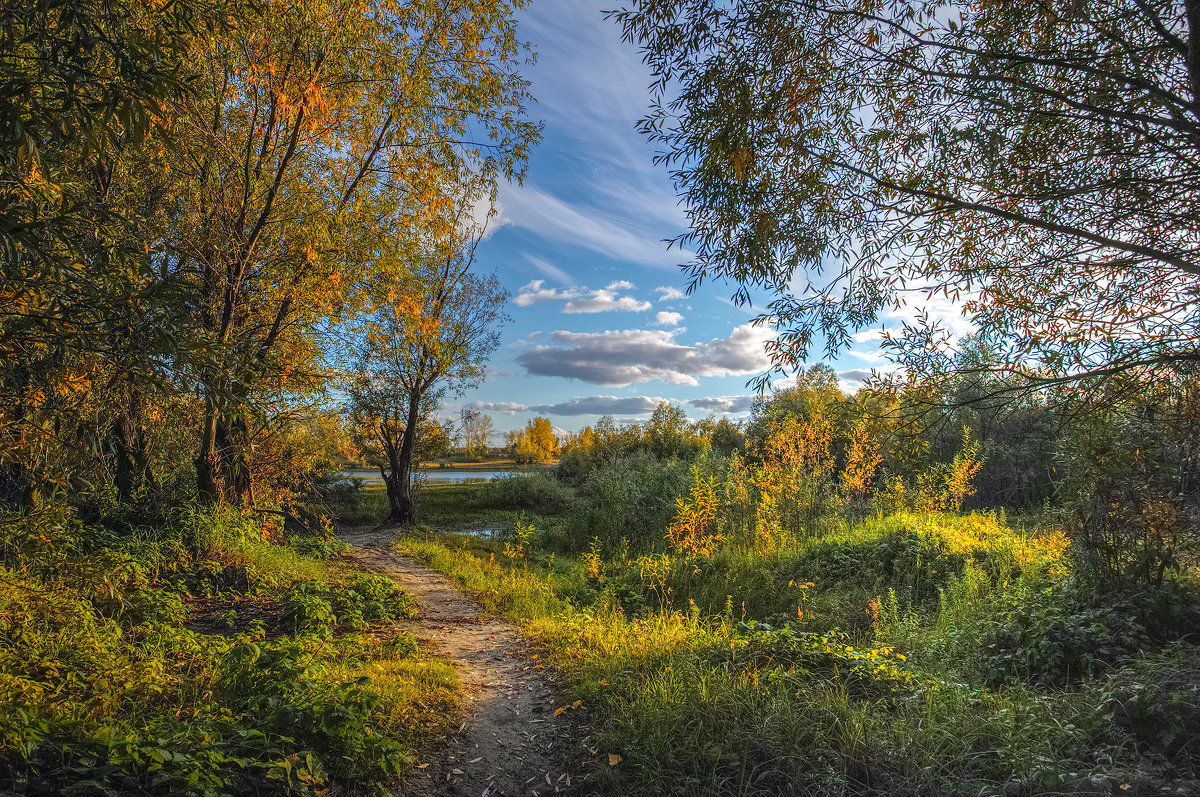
[1155, 704]
[104, 690]
[631, 498]
[538, 492]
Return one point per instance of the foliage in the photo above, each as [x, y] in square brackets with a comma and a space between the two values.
[668, 435]
[535, 443]
[538, 491]
[897, 147]
[476, 428]
[862, 660]
[108, 685]
[195, 195]
[431, 338]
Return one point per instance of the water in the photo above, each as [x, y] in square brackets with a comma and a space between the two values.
[438, 475]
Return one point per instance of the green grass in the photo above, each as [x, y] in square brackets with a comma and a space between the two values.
[876, 658]
[116, 677]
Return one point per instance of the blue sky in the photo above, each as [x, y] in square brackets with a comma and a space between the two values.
[600, 323]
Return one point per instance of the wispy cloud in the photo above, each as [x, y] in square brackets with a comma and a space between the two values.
[549, 269]
[555, 219]
[667, 293]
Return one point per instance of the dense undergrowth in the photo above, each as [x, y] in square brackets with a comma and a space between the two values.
[917, 652]
[201, 655]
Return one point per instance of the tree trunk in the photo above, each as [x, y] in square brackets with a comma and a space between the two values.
[126, 469]
[231, 439]
[400, 495]
[131, 451]
[206, 460]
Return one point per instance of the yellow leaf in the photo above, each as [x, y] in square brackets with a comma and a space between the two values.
[613, 759]
[558, 711]
[577, 704]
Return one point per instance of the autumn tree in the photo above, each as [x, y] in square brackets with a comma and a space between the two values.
[317, 131]
[476, 428]
[535, 443]
[430, 339]
[1034, 161]
[89, 326]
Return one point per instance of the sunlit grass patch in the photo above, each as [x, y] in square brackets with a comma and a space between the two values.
[104, 678]
[872, 672]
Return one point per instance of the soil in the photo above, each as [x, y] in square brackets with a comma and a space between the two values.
[509, 743]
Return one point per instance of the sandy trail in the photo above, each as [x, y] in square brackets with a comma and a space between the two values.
[510, 744]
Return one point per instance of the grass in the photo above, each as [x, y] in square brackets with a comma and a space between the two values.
[877, 657]
[114, 680]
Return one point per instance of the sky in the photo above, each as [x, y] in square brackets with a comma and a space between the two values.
[600, 322]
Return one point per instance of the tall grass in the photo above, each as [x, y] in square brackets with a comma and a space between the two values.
[859, 660]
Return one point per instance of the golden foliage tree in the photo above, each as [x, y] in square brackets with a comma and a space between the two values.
[321, 133]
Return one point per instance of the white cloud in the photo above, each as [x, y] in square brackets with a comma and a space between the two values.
[603, 301]
[498, 407]
[582, 300]
[534, 292]
[667, 293]
[623, 357]
[668, 319]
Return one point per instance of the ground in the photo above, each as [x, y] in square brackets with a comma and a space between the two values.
[510, 743]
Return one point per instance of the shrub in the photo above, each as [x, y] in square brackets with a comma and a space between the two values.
[1156, 705]
[538, 492]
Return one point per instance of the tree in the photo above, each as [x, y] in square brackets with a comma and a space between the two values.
[322, 133]
[477, 428]
[431, 339]
[1035, 161]
[670, 434]
[535, 443]
[89, 326]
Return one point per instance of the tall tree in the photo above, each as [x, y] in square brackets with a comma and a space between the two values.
[318, 130]
[88, 323]
[1036, 161]
[432, 338]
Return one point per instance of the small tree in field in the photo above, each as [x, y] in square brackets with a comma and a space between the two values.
[432, 338]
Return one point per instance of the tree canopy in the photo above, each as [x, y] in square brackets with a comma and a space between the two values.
[1035, 162]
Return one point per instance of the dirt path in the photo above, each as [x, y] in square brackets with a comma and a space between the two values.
[510, 744]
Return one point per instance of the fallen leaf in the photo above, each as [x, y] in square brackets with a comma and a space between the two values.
[421, 766]
[558, 711]
[475, 760]
[460, 772]
[577, 704]
[613, 759]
